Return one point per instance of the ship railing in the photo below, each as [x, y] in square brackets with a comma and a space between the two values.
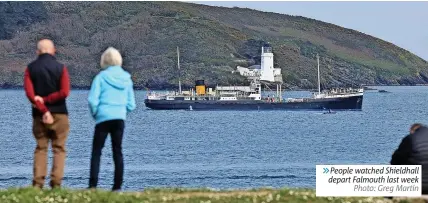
[272, 99]
[342, 91]
[295, 99]
[156, 95]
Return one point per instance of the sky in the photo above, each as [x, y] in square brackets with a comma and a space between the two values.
[404, 24]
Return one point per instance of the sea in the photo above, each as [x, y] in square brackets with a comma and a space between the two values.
[217, 149]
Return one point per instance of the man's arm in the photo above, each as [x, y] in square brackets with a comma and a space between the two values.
[64, 89]
[401, 155]
[29, 91]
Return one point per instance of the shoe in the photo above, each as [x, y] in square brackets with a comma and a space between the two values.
[93, 189]
[38, 187]
[55, 185]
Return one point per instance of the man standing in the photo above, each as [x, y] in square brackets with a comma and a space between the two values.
[47, 85]
[413, 150]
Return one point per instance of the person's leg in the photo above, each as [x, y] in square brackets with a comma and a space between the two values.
[40, 153]
[61, 128]
[100, 135]
[116, 132]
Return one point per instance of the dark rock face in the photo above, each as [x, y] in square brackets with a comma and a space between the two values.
[16, 16]
[212, 42]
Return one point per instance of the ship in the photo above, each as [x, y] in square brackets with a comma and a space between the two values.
[252, 97]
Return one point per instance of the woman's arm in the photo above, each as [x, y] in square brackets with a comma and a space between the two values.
[94, 96]
[131, 99]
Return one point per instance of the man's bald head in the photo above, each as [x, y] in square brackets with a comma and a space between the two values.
[45, 46]
[415, 127]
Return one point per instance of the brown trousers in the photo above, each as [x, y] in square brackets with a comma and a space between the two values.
[57, 133]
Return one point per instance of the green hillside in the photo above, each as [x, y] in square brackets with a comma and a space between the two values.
[212, 41]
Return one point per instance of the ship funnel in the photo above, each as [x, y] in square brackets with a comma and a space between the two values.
[200, 87]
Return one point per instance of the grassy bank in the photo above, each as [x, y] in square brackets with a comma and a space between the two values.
[29, 195]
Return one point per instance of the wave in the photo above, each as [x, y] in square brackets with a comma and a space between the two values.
[14, 178]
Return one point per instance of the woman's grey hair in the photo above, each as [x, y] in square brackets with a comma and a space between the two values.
[111, 57]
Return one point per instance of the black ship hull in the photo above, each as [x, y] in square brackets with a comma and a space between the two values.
[341, 103]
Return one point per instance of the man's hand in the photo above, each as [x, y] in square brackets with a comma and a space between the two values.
[39, 98]
[47, 118]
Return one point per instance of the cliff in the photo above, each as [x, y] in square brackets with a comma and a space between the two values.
[212, 41]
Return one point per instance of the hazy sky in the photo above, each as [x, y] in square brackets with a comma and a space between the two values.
[402, 23]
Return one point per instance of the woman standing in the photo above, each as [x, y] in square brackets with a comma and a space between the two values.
[110, 99]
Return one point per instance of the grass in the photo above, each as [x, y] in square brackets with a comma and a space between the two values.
[379, 64]
[29, 195]
[349, 54]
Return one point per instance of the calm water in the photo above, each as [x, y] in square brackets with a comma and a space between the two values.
[218, 149]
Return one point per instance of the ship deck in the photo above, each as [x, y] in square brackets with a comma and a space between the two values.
[345, 103]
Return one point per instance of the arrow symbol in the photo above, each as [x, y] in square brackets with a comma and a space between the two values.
[325, 170]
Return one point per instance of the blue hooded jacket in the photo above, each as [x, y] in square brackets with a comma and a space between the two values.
[112, 95]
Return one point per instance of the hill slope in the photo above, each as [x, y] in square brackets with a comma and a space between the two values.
[212, 41]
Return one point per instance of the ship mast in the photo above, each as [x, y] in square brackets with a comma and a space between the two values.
[179, 75]
[319, 81]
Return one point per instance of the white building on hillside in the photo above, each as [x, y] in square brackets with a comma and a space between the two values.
[265, 71]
